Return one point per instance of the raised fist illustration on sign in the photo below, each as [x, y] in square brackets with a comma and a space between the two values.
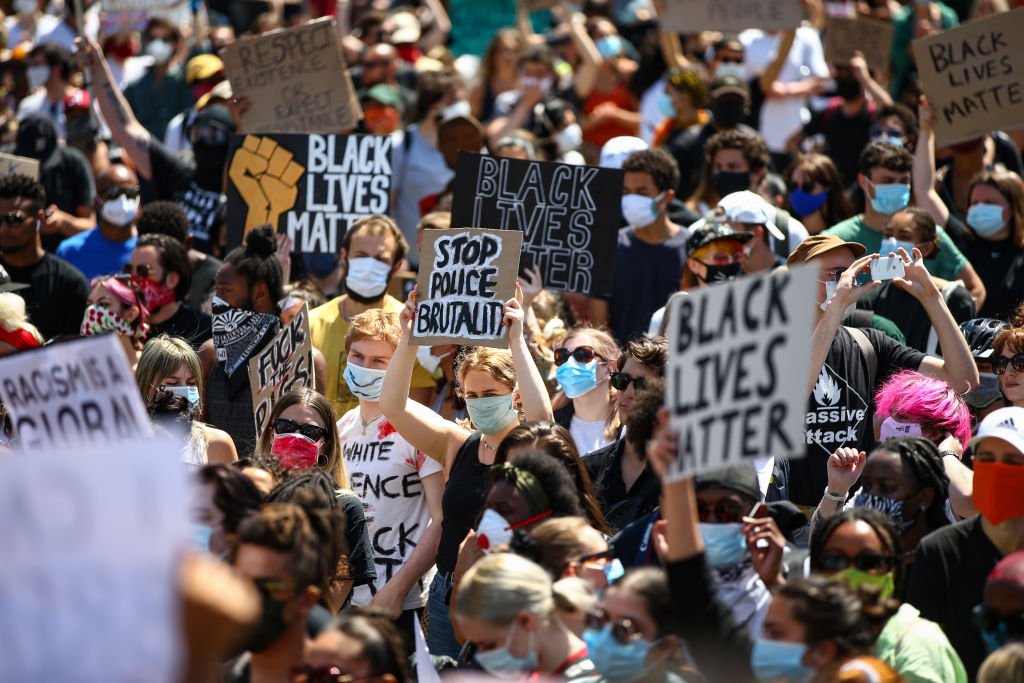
[267, 178]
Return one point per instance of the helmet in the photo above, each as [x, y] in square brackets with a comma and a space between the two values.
[980, 332]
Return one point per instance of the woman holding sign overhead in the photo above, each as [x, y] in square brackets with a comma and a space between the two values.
[492, 382]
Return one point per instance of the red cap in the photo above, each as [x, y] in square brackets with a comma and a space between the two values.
[77, 100]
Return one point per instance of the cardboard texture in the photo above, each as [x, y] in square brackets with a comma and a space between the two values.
[131, 11]
[735, 16]
[972, 77]
[296, 80]
[872, 37]
[11, 165]
[284, 364]
[737, 369]
[466, 276]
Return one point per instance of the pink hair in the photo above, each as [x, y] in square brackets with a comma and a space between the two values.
[928, 401]
[123, 293]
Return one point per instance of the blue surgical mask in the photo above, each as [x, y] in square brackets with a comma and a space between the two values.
[724, 544]
[364, 383]
[775, 660]
[613, 571]
[893, 509]
[491, 414]
[640, 211]
[500, 663]
[889, 139]
[199, 536]
[806, 203]
[190, 393]
[890, 198]
[577, 378]
[609, 46]
[891, 244]
[613, 660]
[985, 219]
[666, 107]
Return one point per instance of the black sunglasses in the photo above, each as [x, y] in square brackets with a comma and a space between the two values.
[726, 512]
[623, 630]
[13, 219]
[115, 192]
[866, 562]
[807, 186]
[582, 354]
[283, 425]
[621, 380]
[877, 132]
[730, 60]
[142, 270]
[999, 363]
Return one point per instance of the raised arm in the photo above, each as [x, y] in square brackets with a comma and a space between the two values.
[536, 403]
[880, 95]
[590, 58]
[438, 33]
[925, 194]
[771, 73]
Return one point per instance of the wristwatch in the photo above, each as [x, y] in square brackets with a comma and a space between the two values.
[834, 497]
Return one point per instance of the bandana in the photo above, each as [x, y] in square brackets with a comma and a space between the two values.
[524, 482]
[157, 295]
[237, 334]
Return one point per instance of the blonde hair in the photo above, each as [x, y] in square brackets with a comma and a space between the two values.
[501, 585]
[13, 316]
[558, 543]
[161, 357]
[605, 346]
[335, 465]
[374, 325]
[496, 363]
[573, 594]
[1005, 665]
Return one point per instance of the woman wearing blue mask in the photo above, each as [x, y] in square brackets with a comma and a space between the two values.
[494, 383]
[995, 217]
[584, 364]
[816, 194]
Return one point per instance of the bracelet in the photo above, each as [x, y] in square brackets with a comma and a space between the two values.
[834, 497]
[943, 454]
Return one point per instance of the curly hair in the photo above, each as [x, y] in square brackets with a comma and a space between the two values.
[163, 218]
[822, 170]
[751, 145]
[878, 522]
[650, 352]
[554, 479]
[22, 186]
[657, 163]
[256, 261]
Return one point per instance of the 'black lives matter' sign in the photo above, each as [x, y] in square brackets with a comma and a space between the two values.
[569, 215]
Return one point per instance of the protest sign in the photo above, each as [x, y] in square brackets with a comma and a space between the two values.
[736, 381]
[311, 187]
[972, 77]
[871, 37]
[73, 394]
[693, 16]
[11, 165]
[135, 12]
[296, 80]
[465, 278]
[569, 215]
[283, 364]
[91, 544]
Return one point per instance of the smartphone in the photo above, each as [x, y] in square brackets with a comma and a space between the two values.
[888, 267]
[863, 277]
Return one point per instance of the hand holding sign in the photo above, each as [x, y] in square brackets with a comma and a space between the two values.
[267, 177]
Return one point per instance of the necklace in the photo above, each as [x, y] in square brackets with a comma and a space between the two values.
[487, 445]
[367, 423]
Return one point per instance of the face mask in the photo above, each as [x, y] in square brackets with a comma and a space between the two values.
[493, 531]
[892, 428]
[726, 182]
[199, 536]
[640, 211]
[100, 319]
[501, 664]
[775, 660]
[381, 120]
[576, 378]
[543, 84]
[609, 46]
[613, 571]
[210, 161]
[613, 660]
[855, 578]
[295, 450]
[269, 628]
[160, 50]
[890, 198]
[491, 414]
[730, 271]
[238, 333]
[364, 383]
[985, 219]
[157, 294]
[569, 138]
[427, 359]
[367, 277]
[26, 7]
[460, 108]
[848, 88]
[119, 50]
[121, 211]
[891, 244]
[730, 69]
[893, 509]
[998, 491]
[190, 393]
[898, 142]
[666, 107]
[728, 112]
[37, 75]
[806, 203]
[724, 544]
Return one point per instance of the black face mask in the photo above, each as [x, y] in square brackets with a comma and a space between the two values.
[729, 112]
[269, 629]
[848, 88]
[726, 182]
[210, 162]
[721, 273]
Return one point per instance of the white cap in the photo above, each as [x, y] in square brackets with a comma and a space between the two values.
[617, 150]
[749, 207]
[1006, 424]
[405, 28]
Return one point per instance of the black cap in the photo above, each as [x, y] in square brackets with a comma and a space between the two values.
[713, 231]
[6, 285]
[741, 478]
[37, 139]
[730, 85]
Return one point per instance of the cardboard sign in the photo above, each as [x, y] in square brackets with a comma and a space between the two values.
[285, 363]
[312, 187]
[569, 215]
[736, 381]
[296, 80]
[465, 278]
[73, 394]
[134, 11]
[873, 38]
[972, 76]
[11, 164]
[91, 545]
[734, 16]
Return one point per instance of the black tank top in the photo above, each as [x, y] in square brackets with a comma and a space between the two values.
[464, 496]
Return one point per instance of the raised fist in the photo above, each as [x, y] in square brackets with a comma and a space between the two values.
[266, 177]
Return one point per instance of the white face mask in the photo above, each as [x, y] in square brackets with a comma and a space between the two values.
[569, 138]
[830, 291]
[160, 50]
[729, 69]
[37, 75]
[460, 108]
[367, 277]
[26, 7]
[543, 83]
[120, 211]
[640, 211]
[426, 358]
[493, 531]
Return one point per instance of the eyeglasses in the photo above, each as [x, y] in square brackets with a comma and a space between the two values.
[623, 630]
[877, 132]
[866, 562]
[999, 363]
[142, 270]
[13, 219]
[726, 512]
[283, 425]
[807, 186]
[115, 192]
[621, 381]
[582, 354]
[305, 673]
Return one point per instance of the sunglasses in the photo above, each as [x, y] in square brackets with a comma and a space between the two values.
[142, 270]
[877, 132]
[730, 60]
[320, 674]
[726, 512]
[621, 381]
[807, 186]
[115, 192]
[283, 425]
[865, 562]
[582, 354]
[13, 219]
[722, 258]
[623, 630]
[999, 363]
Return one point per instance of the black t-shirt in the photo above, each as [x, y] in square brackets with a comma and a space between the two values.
[203, 277]
[192, 326]
[844, 136]
[1000, 266]
[946, 583]
[55, 300]
[204, 208]
[646, 275]
[841, 405]
[360, 553]
[463, 498]
[907, 313]
[620, 507]
[68, 184]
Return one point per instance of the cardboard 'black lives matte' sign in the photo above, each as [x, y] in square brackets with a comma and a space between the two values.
[569, 215]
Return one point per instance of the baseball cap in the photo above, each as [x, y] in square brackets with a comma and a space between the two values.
[6, 285]
[617, 150]
[816, 245]
[730, 85]
[749, 207]
[713, 231]
[387, 95]
[77, 100]
[406, 28]
[221, 91]
[741, 478]
[1005, 424]
[201, 67]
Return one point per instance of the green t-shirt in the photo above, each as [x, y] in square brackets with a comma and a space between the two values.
[947, 265]
[918, 650]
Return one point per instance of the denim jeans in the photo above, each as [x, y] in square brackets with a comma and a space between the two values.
[440, 635]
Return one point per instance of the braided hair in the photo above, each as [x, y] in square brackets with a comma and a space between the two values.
[921, 458]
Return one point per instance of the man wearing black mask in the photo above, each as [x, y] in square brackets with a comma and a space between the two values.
[198, 188]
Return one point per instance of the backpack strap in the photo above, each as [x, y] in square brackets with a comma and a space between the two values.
[867, 349]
